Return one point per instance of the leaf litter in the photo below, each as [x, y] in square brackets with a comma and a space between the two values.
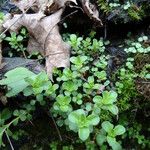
[44, 35]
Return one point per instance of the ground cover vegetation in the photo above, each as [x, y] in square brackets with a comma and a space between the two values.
[101, 101]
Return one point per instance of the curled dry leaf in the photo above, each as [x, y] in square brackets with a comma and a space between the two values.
[23, 5]
[27, 20]
[45, 37]
[91, 11]
[57, 51]
[44, 31]
[41, 5]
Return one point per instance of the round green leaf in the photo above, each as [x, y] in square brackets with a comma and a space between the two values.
[107, 126]
[93, 119]
[119, 129]
[73, 116]
[113, 143]
[100, 139]
[83, 133]
[113, 109]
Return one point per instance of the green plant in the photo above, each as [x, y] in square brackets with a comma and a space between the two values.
[40, 86]
[89, 86]
[109, 133]
[5, 128]
[138, 46]
[68, 75]
[81, 123]
[75, 41]
[62, 103]
[106, 102]
[15, 80]
[81, 95]
[124, 11]
[16, 41]
[78, 61]
[1, 17]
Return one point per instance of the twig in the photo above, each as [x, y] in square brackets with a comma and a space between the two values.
[9, 141]
[60, 137]
[24, 54]
[148, 82]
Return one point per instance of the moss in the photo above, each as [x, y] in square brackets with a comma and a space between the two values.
[104, 6]
[136, 13]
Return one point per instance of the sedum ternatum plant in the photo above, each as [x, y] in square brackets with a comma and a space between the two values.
[106, 102]
[81, 95]
[108, 133]
[16, 41]
[82, 123]
[85, 91]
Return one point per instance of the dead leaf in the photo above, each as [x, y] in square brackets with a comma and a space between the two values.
[91, 11]
[57, 52]
[29, 20]
[43, 30]
[45, 36]
[34, 46]
[41, 5]
[23, 5]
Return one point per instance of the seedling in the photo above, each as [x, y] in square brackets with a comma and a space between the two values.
[109, 133]
[106, 102]
[82, 123]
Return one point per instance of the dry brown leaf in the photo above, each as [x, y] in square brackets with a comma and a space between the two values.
[23, 5]
[41, 5]
[34, 46]
[30, 20]
[45, 36]
[91, 11]
[57, 51]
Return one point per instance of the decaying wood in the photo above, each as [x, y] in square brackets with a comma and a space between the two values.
[12, 63]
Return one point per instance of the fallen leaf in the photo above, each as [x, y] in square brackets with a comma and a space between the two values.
[91, 10]
[43, 30]
[41, 5]
[23, 5]
[44, 35]
[57, 52]
[34, 46]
